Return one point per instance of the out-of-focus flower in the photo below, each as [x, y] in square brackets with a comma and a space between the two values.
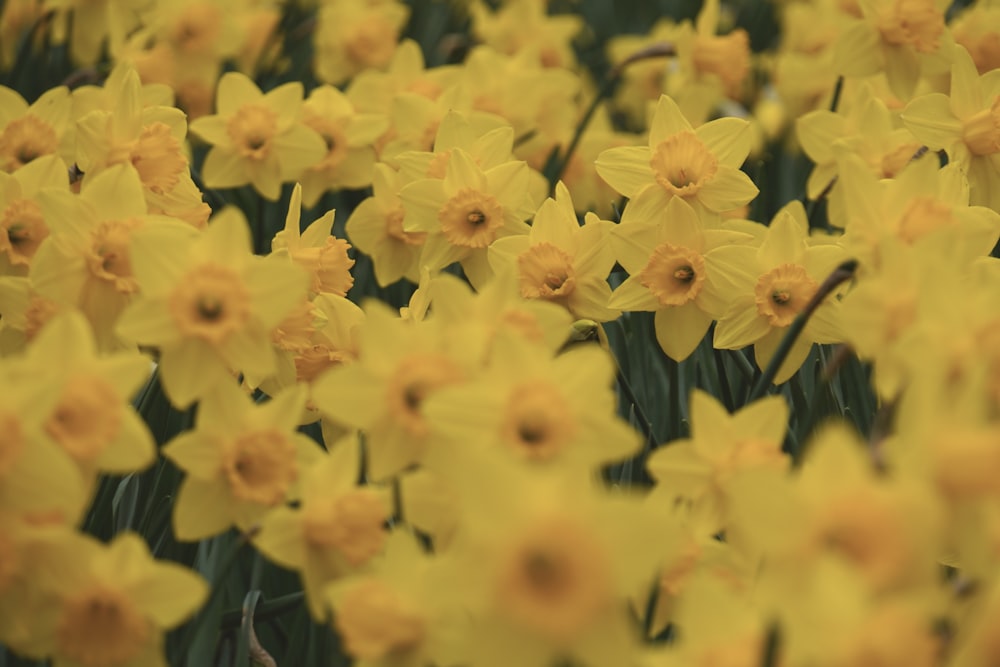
[337, 529]
[208, 304]
[92, 420]
[349, 136]
[148, 139]
[22, 221]
[906, 39]
[324, 256]
[31, 131]
[376, 229]
[400, 364]
[539, 408]
[523, 25]
[110, 604]
[95, 21]
[242, 459]
[355, 35]
[966, 124]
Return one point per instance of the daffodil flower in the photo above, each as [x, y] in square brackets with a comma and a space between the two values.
[700, 165]
[257, 138]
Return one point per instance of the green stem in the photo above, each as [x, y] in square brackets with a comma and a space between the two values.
[264, 611]
[843, 272]
[217, 587]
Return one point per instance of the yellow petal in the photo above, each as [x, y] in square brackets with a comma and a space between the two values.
[202, 509]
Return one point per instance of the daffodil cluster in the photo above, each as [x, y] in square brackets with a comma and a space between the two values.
[546, 374]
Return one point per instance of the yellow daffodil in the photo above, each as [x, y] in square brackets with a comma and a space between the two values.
[400, 364]
[23, 313]
[488, 140]
[700, 165]
[337, 529]
[675, 271]
[924, 205]
[546, 563]
[87, 262]
[355, 35]
[376, 229]
[112, 603]
[538, 408]
[523, 25]
[710, 66]
[866, 128]
[977, 28]
[22, 221]
[393, 615]
[906, 39]
[36, 475]
[784, 274]
[717, 623]
[533, 99]
[373, 91]
[105, 97]
[693, 556]
[965, 124]
[315, 338]
[466, 211]
[207, 303]
[150, 139]
[349, 136]
[242, 459]
[256, 137]
[560, 261]
[95, 21]
[721, 446]
[474, 321]
[324, 256]
[28, 132]
[92, 420]
[887, 528]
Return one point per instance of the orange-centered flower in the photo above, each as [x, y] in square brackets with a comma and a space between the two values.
[108, 258]
[87, 418]
[682, 164]
[101, 626]
[25, 139]
[158, 157]
[782, 293]
[981, 130]
[352, 523]
[210, 303]
[674, 274]
[546, 272]
[260, 466]
[413, 380]
[554, 579]
[471, 219]
[375, 621]
[538, 423]
[22, 230]
[916, 23]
